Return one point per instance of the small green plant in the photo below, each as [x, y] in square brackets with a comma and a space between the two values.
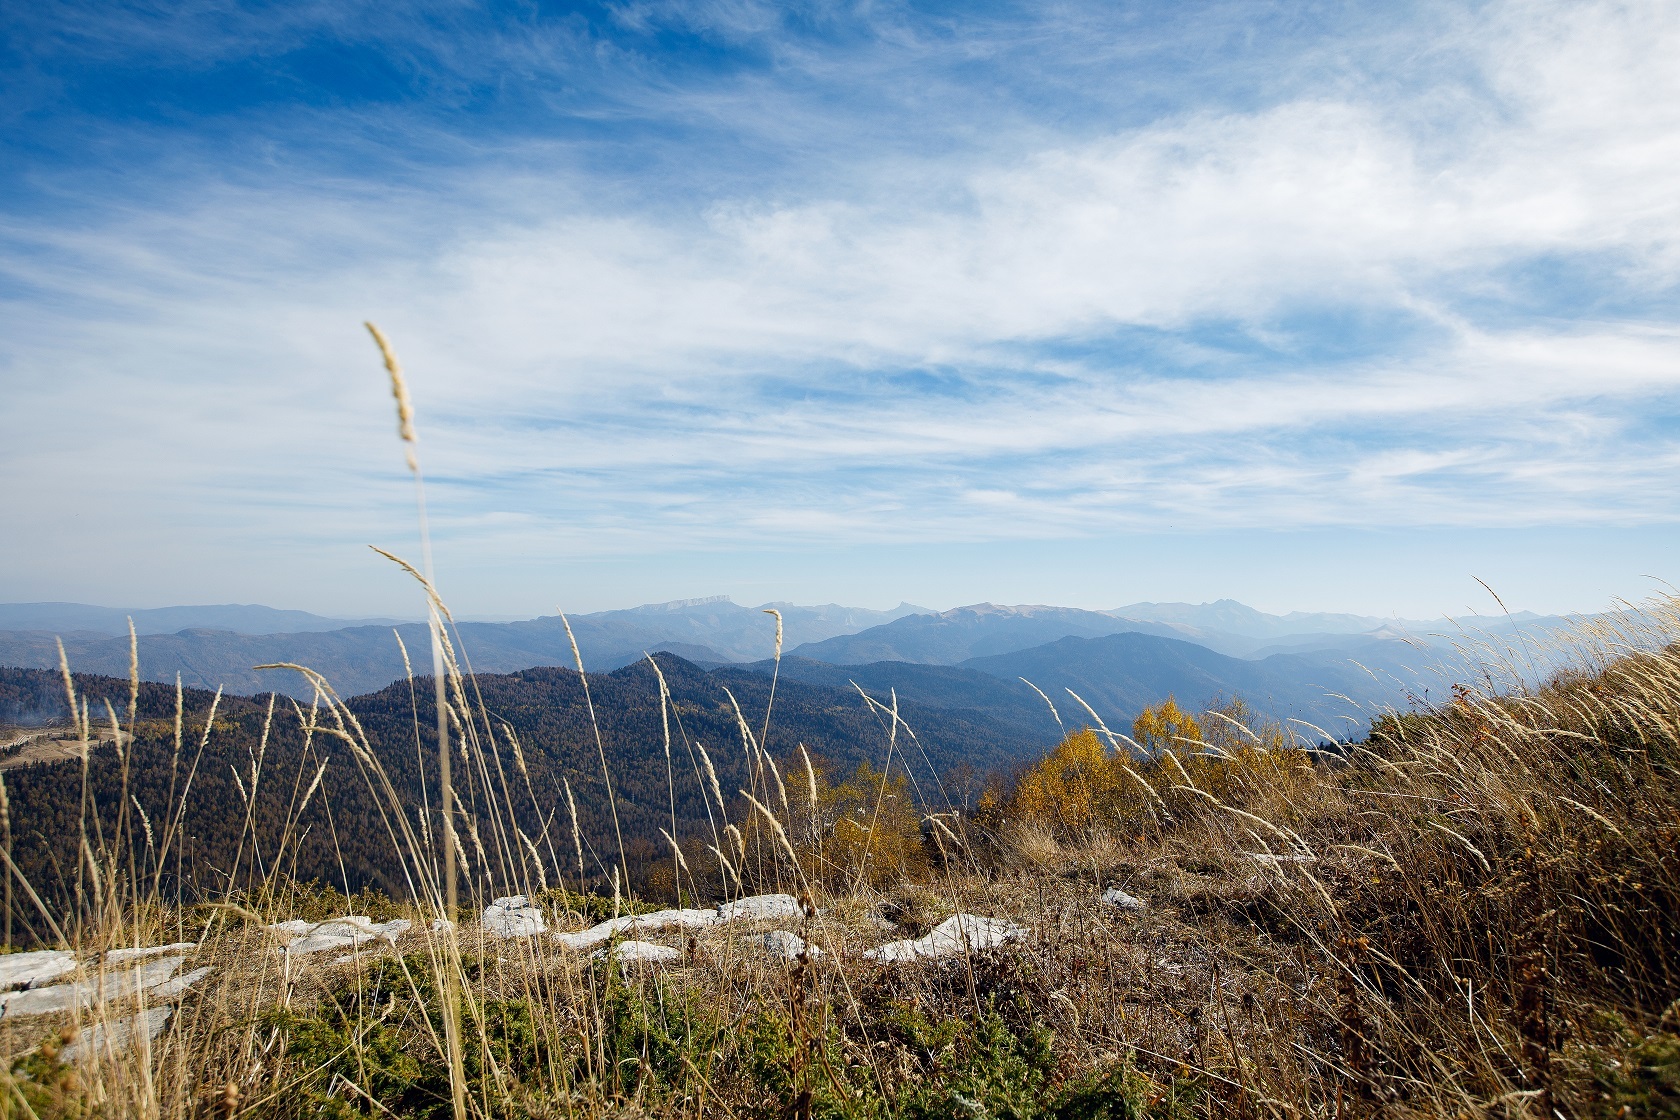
[1123, 1093]
[654, 1038]
[981, 1069]
[376, 1033]
[40, 1084]
[1643, 1078]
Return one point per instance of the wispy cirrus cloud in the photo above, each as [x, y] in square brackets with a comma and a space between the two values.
[890, 278]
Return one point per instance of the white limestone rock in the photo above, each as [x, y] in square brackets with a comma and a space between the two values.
[169, 989]
[339, 933]
[784, 945]
[156, 978]
[120, 956]
[96, 1041]
[629, 954]
[950, 937]
[761, 907]
[144, 977]
[18, 970]
[513, 916]
[1119, 899]
[637, 923]
[46, 1001]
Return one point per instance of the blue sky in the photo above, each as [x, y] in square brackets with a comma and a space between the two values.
[1321, 306]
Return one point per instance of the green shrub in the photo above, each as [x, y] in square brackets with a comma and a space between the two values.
[377, 1032]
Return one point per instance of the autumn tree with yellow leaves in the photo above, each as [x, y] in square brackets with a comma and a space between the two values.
[863, 830]
[1229, 754]
[1071, 789]
[1166, 727]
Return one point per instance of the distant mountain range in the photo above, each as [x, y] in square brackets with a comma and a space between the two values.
[1228, 616]
[729, 631]
[360, 657]
[977, 716]
[71, 618]
[1299, 665]
[956, 635]
[726, 630]
[1336, 691]
[1227, 627]
[960, 679]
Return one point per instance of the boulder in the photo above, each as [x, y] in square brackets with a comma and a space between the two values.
[19, 970]
[761, 907]
[637, 923]
[47, 1001]
[1119, 899]
[118, 956]
[513, 916]
[156, 978]
[169, 989]
[954, 936]
[630, 954]
[783, 945]
[339, 933]
[116, 1037]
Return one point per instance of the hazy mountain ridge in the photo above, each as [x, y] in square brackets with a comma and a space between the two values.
[237, 618]
[988, 628]
[354, 660]
[363, 658]
[1337, 690]
[956, 635]
[946, 687]
[984, 629]
[1231, 617]
[735, 632]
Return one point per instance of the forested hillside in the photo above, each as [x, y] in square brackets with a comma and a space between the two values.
[340, 836]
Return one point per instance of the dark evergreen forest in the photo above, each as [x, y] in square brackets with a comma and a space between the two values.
[343, 837]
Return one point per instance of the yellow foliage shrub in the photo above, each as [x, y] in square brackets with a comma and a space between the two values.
[1066, 791]
[1076, 787]
[866, 828]
[1165, 727]
[1083, 785]
[1243, 760]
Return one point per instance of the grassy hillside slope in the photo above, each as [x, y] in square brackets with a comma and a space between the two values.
[1474, 911]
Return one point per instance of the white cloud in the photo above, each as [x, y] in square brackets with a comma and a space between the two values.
[1230, 216]
[616, 377]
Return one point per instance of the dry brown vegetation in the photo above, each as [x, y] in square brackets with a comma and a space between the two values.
[1475, 911]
